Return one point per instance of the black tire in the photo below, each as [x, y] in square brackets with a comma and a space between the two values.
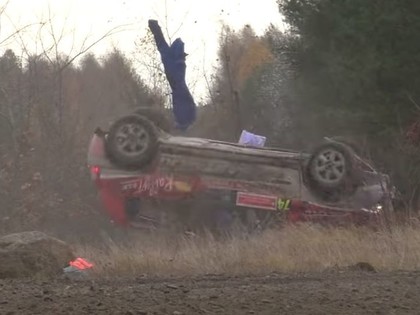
[331, 168]
[132, 142]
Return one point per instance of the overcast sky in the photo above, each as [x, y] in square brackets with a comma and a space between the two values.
[197, 22]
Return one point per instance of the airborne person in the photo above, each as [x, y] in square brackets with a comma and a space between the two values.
[173, 59]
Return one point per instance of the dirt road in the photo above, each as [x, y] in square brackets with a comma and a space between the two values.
[325, 293]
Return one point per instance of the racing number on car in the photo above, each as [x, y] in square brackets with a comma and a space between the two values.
[283, 204]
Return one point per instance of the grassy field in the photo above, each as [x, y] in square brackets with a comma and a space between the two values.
[293, 249]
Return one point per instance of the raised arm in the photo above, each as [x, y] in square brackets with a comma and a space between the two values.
[161, 43]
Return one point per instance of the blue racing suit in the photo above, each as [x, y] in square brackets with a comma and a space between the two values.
[173, 59]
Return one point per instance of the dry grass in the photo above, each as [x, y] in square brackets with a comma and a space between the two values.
[293, 249]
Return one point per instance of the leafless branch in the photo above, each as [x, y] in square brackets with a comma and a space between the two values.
[7, 119]
[56, 40]
[411, 99]
[17, 30]
[209, 89]
[166, 23]
[45, 51]
[83, 50]
[3, 8]
[182, 22]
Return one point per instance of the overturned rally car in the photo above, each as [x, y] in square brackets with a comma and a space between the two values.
[148, 178]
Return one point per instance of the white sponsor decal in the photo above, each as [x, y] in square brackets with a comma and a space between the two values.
[148, 184]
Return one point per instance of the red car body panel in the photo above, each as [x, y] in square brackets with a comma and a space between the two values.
[114, 191]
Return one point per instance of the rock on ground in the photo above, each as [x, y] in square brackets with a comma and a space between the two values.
[32, 253]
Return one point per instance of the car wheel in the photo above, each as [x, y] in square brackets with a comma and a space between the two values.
[330, 167]
[132, 141]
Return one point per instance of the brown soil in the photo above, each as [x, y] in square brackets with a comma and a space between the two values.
[334, 292]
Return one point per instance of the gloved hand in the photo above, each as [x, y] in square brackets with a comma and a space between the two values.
[153, 23]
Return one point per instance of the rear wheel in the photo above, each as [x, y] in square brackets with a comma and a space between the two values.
[132, 141]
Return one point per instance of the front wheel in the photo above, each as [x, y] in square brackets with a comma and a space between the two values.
[331, 168]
